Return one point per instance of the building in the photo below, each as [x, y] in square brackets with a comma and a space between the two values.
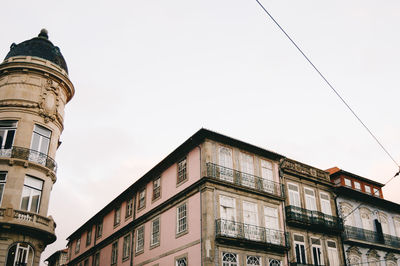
[372, 224]
[214, 200]
[311, 217]
[34, 89]
[58, 258]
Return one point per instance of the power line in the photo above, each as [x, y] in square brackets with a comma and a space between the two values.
[329, 84]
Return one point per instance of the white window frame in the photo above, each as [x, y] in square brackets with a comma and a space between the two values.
[311, 201]
[181, 171]
[114, 253]
[129, 208]
[347, 182]
[294, 201]
[126, 248]
[367, 189]
[229, 262]
[31, 190]
[78, 245]
[253, 258]
[139, 239]
[247, 169]
[321, 254]
[332, 261]
[8, 129]
[156, 188]
[155, 233]
[43, 137]
[226, 163]
[328, 210]
[89, 236]
[182, 261]
[142, 198]
[117, 215]
[357, 185]
[181, 219]
[295, 242]
[3, 181]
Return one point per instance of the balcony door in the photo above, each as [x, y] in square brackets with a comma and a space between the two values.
[268, 177]
[40, 145]
[225, 161]
[294, 196]
[7, 133]
[326, 207]
[250, 220]
[333, 255]
[316, 249]
[300, 250]
[366, 219]
[228, 216]
[247, 169]
[272, 225]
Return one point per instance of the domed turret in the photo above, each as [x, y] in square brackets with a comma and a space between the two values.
[40, 47]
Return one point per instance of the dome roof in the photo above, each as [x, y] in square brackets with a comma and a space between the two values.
[40, 47]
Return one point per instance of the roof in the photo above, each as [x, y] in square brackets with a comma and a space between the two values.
[192, 142]
[335, 171]
[39, 47]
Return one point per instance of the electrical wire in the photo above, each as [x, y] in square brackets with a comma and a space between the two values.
[329, 84]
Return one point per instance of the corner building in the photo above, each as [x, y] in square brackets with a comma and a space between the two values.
[34, 89]
[214, 200]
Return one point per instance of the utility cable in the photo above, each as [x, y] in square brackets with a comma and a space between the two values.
[329, 84]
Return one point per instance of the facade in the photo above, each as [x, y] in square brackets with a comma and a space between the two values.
[372, 224]
[58, 258]
[311, 218]
[34, 89]
[212, 201]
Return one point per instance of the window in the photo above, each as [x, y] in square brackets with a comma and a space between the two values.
[310, 199]
[89, 237]
[357, 185]
[114, 253]
[396, 222]
[317, 255]
[367, 189]
[300, 249]
[253, 261]
[225, 161]
[3, 178]
[86, 262]
[384, 223]
[140, 239]
[7, 132]
[96, 259]
[366, 220]
[273, 235]
[156, 188]
[129, 208]
[181, 262]
[268, 177]
[78, 245]
[155, 232]
[333, 255]
[274, 262]
[229, 259]
[31, 194]
[294, 196]
[20, 254]
[250, 219]
[325, 203]
[127, 247]
[142, 199]
[117, 216]
[99, 229]
[376, 192]
[182, 175]
[41, 139]
[181, 219]
[347, 182]
[247, 168]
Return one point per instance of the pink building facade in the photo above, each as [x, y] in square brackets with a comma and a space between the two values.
[214, 200]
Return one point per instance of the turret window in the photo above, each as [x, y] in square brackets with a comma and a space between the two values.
[41, 139]
[7, 133]
[3, 177]
[31, 194]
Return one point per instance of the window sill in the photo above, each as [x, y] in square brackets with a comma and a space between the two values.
[182, 182]
[125, 259]
[181, 233]
[155, 245]
[137, 253]
[116, 225]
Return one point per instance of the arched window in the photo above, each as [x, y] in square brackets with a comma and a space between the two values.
[346, 212]
[384, 223]
[366, 219]
[20, 254]
[396, 222]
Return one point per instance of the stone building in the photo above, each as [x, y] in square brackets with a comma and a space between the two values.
[58, 258]
[214, 200]
[34, 89]
[311, 217]
[372, 224]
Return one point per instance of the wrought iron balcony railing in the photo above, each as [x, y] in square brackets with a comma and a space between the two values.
[253, 233]
[315, 219]
[356, 233]
[29, 155]
[244, 179]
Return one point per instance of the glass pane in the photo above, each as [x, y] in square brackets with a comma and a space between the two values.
[25, 198]
[35, 142]
[35, 202]
[1, 191]
[3, 176]
[42, 131]
[44, 146]
[10, 139]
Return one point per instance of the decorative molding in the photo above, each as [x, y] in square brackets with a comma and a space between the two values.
[304, 169]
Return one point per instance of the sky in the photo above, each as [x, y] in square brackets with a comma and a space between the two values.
[149, 73]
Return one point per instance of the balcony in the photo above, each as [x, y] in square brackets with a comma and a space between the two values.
[29, 155]
[244, 180]
[258, 237]
[359, 235]
[28, 223]
[313, 219]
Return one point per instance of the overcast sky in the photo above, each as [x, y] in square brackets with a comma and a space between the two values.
[150, 73]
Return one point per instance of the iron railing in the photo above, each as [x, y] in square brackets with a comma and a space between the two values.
[302, 264]
[29, 155]
[244, 179]
[313, 218]
[351, 232]
[236, 230]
